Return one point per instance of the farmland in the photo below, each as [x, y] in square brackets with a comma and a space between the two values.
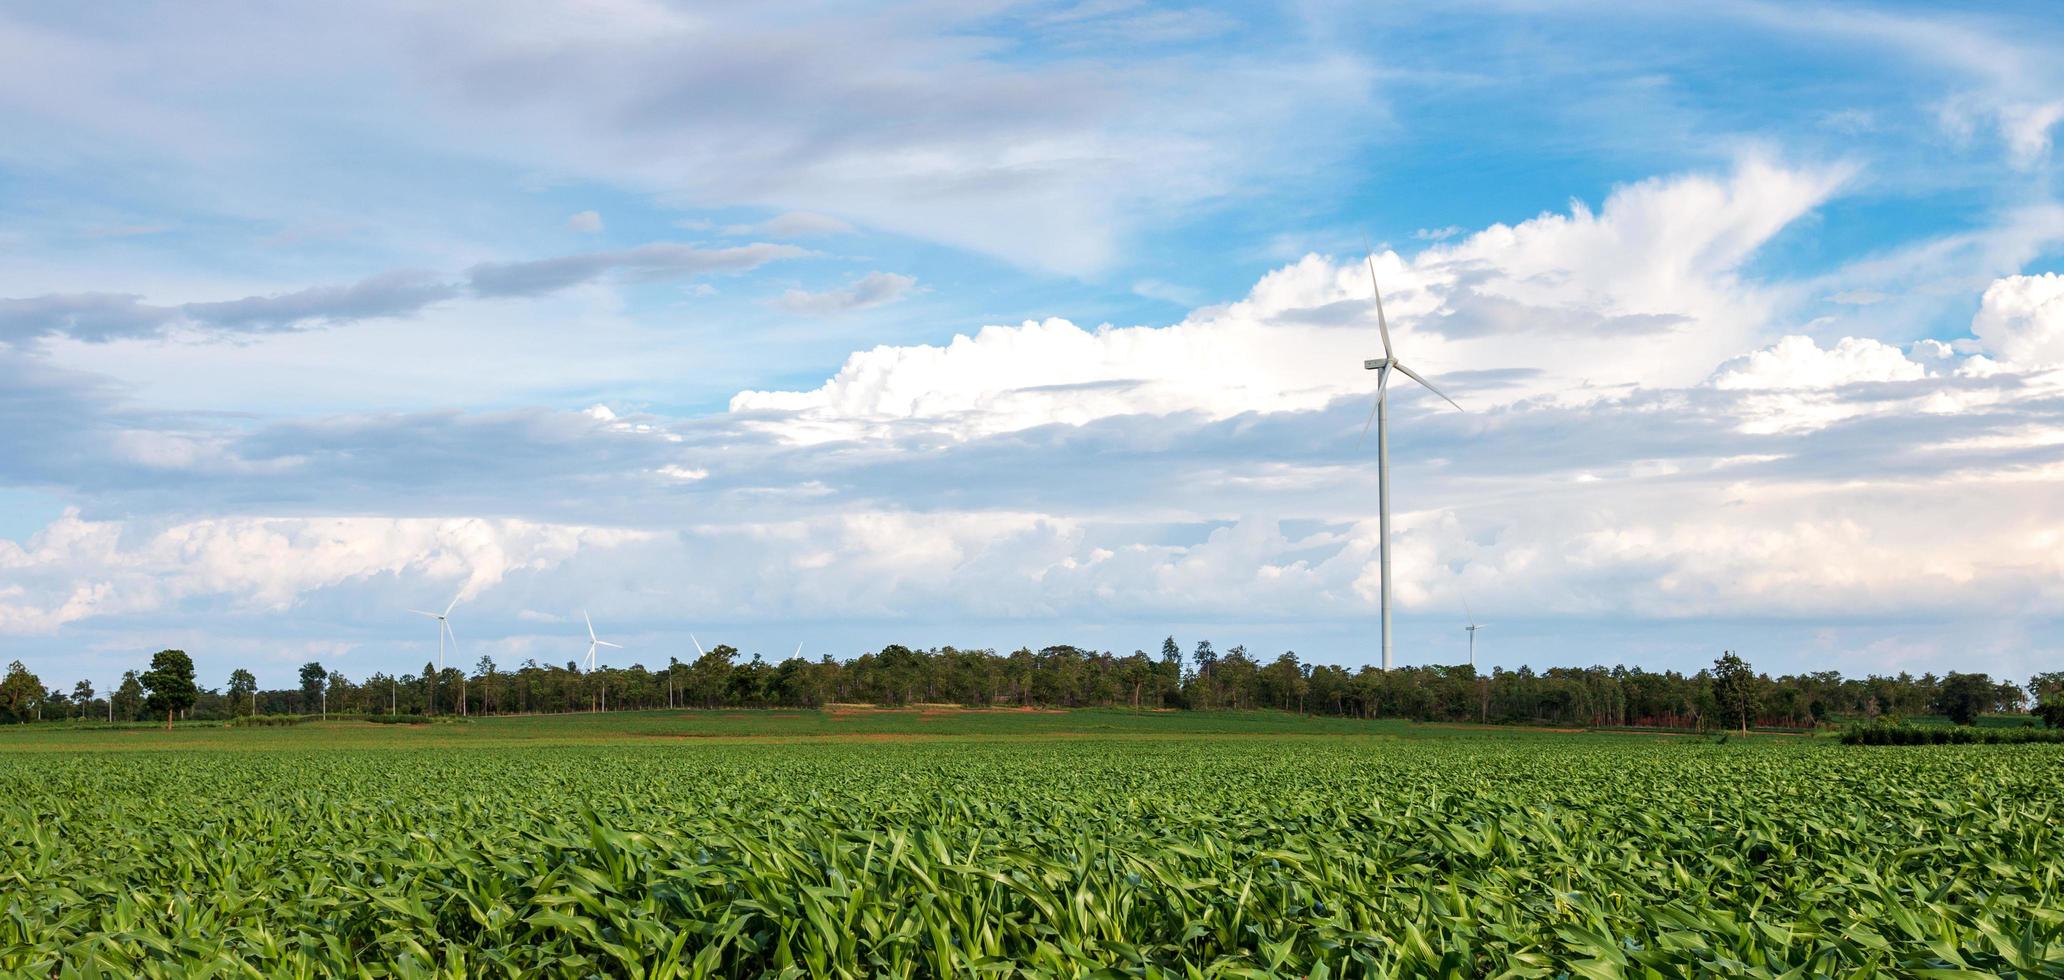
[1062, 844]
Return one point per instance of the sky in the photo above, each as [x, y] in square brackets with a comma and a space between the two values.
[1011, 324]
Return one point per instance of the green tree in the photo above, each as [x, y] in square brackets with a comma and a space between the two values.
[1963, 697]
[1734, 688]
[709, 676]
[312, 677]
[128, 697]
[171, 683]
[241, 687]
[1204, 681]
[20, 693]
[82, 695]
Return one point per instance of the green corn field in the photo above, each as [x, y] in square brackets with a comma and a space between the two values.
[1150, 855]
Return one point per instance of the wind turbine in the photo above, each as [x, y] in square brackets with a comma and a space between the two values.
[443, 630]
[1380, 416]
[1472, 628]
[593, 642]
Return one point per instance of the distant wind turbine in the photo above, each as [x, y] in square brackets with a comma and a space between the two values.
[593, 642]
[1472, 628]
[1380, 416]
[443, 630]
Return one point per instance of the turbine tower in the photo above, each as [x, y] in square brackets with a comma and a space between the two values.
[593, 642]
[443, 630]
[1380, 416]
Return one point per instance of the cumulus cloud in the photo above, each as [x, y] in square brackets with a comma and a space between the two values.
[587, 222]
[76, 568]
[1798, 362]
[1646, 290]
[645, 263]
[2021, 319]
[1790, 381]
[873, 289]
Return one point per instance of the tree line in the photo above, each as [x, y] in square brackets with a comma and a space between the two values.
[1730, 694]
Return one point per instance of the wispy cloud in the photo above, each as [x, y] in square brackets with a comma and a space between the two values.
[793, 224]
[645, 263]
[400, 293]
[873, 289]
[102, 317]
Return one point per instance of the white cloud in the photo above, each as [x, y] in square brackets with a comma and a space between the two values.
[2027, 128]
[587, 222]
[1644, 291]
[1798, 362]
[83, 569]
[2021, 319]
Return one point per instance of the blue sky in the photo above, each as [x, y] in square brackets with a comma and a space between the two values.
[1002, 324]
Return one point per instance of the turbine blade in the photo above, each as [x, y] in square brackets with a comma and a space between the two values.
[1373, 409]
[1382, 325]
[590, 622]
[1467, 614]
[454, 604]
[698, 645]
[420, 612]
[606, 643]
[1414, 375]
[798, 649]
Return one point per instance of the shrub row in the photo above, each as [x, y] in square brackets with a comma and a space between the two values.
[1878, 733]
[267, 721]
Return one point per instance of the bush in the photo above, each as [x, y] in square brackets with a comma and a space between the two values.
[2051, 712]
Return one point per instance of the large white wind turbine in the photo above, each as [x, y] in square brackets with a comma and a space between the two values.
[593, 642]
[443, 630]
[1380, 415]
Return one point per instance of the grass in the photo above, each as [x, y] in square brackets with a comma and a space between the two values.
[1103, 843]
